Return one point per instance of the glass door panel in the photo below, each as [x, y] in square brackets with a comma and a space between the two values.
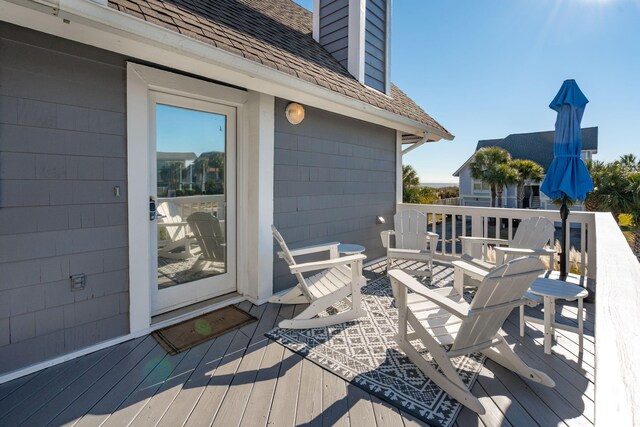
[192, 171]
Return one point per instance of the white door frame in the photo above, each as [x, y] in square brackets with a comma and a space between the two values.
[255, 152]
[184, 294]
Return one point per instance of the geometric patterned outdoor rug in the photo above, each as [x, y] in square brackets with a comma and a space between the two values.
[364, 353]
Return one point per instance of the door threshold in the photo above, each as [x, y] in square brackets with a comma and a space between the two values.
[194, 310]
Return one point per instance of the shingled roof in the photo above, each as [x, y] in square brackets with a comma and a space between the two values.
[537, 146]
[274, 33]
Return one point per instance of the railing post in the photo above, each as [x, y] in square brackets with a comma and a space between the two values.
[476, 231]
[592, 252]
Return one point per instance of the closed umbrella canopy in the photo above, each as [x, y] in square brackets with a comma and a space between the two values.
[567, 175]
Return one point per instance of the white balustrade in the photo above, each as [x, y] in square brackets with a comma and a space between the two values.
[446, 220]
[214, 204]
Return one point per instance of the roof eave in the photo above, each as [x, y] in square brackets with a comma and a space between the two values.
[100, 26]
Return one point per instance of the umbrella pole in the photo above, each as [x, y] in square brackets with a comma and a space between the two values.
[564, 214]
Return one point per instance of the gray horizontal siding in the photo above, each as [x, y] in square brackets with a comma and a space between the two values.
[375, 44]
[62, 151]
[333, 175]
[334, 28]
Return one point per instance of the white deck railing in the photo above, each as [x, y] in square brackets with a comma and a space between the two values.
[617, 327]
[489, 222]
[187, 205]
[607, 259]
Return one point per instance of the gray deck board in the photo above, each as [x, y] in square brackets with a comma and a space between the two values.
[77, 388]
[335, 408]
[136, 401]
[31, 405]
[242, 378]
[188, 396]
[164, 397]
[256, 413]
[309, 404]
[9, 388]
[283, 408]
[503, 398]
[360, 408]
[236, 398]
[213, 394]
[100, 388]
[26, 389]
[386, 415]
[109, 404]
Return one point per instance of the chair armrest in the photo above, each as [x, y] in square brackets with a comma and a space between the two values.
[323, 265]
[314, 249]
[483, 240]
[467, 243]
[458, 310]
[502, 252]
[472, 270]
[172, 224]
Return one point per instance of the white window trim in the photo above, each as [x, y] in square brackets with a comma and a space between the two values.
[255, 151]
[473, 189]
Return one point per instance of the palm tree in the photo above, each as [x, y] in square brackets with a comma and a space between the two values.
[629, 162]
[596, 169]
[409, 176]
[528, 170]
[501, 176]
[410, 181]
[483, 166]
[632, 205]
[612, 190]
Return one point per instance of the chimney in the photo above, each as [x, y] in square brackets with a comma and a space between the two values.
[357, 33]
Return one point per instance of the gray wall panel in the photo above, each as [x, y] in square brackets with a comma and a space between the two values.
[333, 176]
[375, 44]
[62, 150]
[334, 28]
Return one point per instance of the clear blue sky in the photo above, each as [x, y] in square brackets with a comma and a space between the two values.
[485, 69]
[179, 130]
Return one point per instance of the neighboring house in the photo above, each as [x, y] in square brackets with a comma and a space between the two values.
[536, 146]
[86, 88]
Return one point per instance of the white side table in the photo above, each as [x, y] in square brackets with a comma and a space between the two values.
[550, 290]
[350, 249]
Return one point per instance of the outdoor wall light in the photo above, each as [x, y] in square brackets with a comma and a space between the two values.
[380, 220]
[294, 113]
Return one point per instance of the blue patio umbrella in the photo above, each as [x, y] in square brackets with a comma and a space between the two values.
[567, 177]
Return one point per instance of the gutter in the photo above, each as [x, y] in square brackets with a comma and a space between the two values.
[96, 24]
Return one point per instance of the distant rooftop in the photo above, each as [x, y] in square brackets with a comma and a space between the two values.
[536, 146]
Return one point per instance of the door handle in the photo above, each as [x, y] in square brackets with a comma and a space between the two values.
[153, 211]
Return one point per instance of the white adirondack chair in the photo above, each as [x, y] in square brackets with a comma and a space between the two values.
[210, 236]
[530, 239]
[448, 326]
[336, 280]
[412, 241]
[177, 233]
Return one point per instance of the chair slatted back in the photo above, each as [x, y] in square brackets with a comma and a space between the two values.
[290, 260]
[209, 234]
[171, 214]
[532, 233]
[503, 284]
[410, 229]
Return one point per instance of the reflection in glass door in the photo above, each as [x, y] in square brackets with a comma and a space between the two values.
[192, 141]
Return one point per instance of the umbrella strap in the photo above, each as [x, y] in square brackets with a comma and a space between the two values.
[568, 155]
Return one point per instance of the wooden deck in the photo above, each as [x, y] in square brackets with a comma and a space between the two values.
[242, 378]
